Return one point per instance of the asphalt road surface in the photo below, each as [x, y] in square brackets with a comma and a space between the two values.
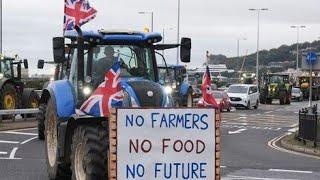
[248, 151]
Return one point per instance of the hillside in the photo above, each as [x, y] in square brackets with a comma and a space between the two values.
[284, 54]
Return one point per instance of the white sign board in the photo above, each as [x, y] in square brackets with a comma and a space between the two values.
[165, 144]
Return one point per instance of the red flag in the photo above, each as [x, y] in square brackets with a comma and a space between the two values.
[77, 13]
[207, 94]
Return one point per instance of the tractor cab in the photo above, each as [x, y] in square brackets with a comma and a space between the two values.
[173, 77]
[11, 67]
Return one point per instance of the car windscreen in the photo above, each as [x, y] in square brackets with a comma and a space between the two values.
[238, 89]
[217, 94]
[296, 90]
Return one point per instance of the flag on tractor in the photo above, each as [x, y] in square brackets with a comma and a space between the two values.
[108, 94]
[77, 13]
[207, 94]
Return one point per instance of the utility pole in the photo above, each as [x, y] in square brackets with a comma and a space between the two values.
[1, 27]
[238, 51]
[151, 14]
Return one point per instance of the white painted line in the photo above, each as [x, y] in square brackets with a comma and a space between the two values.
[19, 133]
[243, 117]
[291, 171]
[9, 142]
[293, 130]
[28, 140]
[3, 153]
[223, 166]
[252, 178]
[25, 129]
[237, 131]
[13, 153]
[278, 129]
[268, 112]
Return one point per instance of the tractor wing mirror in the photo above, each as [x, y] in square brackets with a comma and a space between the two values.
[25, 63]
[58, 49]
[185, 50]
[40, 64]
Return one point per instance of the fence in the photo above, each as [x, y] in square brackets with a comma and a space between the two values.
[309, 125]
[14, 112]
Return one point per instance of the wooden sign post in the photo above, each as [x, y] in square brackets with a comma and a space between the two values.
[165, 144]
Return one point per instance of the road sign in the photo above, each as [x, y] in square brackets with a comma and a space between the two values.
[167, 144]
[311, 58]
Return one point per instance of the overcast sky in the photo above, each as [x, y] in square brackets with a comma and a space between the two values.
[214, 25]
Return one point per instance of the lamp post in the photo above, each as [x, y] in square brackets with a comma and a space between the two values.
[0, 27]
[258, 38]
[178, 32]
[238, 49]
[151, 14]
[298, 31]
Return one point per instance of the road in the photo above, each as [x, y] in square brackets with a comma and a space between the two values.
[245, 150]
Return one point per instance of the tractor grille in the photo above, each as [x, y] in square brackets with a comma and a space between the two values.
[235, 99]
[141, 89]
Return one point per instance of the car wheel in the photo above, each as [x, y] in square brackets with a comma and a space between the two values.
[248, 105]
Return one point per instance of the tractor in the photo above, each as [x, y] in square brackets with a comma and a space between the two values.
[173, 77]
[275, 86]
[13, 94]
[305, 87]
[76, 145]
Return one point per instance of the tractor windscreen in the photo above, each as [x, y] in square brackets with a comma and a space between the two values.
[135, 61]
[278, 79]
[163, 76]
[5, 68]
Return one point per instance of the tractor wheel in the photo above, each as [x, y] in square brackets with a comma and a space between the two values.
[9, 97]
[282, 97]
[269, 101]
[31, 101]
[40, 118]
[55, 167]
[262, 100]
[189, 100]
[89, 153]
[288, 99]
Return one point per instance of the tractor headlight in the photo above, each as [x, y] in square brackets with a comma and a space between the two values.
[86, 91]
[1, 75]
[168, 89]
[174, 86]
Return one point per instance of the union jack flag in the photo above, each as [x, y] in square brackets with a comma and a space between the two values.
[207, 94]
[108, 95]
[77, 13]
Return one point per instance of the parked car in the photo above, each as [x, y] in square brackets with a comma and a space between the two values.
[223, 100]
[244, 95]
[296, 94]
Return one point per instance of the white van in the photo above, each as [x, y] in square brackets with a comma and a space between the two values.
[244, 95]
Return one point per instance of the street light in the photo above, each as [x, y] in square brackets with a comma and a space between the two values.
[150, 13]
[238, 49]
[178, 31]
[0, 26]
[258, 37]
[298, 30]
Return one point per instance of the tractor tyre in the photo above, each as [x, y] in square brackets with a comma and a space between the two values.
[262, 100]
[56, 168]
[9, 97]
[269, 101]
[282, 98]
[257, 105]
[89, 153]
[40, 119]
[288, 99]
[31, 101]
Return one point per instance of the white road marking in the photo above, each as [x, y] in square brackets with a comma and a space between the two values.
[291, 171]
[19, 133]
[252, 178]
[223, 166]
[237, 131]
[3, 153]
[13, 153]
[9, 142]
[28, 140]
[268, 112]
[293, 130]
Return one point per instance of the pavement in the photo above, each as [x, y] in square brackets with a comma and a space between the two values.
[249, 148]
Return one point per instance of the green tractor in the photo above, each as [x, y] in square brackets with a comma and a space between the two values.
[13, 94]
[275, 86]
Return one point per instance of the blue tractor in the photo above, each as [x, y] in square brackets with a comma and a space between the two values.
[174, 78]
[76, 146]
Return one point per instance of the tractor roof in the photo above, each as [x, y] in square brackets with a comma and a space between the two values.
[171, 66]
[277, 74]
[117, 36]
